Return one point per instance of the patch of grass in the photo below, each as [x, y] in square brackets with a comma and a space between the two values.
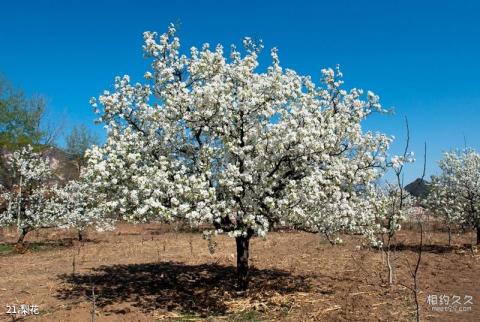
[38, 247]
[189, 317]
[9, 249]
[242, 316]
[247, 315]
[6, 249]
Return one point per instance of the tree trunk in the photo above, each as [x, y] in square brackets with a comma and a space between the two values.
[478, 234]
[242, 261]
[19, 207]
[449, 235]
[80, 235]
[390, 268]
[389, 262]
[21, 237]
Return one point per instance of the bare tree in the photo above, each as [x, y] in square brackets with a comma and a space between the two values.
[397, 204]
[78, 141]
[414, 273]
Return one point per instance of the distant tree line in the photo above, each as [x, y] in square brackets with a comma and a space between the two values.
[22, 123]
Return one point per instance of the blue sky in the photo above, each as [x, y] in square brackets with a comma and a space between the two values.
[421, 57]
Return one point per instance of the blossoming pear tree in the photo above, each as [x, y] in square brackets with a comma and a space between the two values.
[27, 203]
[215, 140]
[459, 188]
[442, 202]
[76, 205]
[389, 206]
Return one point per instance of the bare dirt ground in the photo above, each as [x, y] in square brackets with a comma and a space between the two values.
[150, 273]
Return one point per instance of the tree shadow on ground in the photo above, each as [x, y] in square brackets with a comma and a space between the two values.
[430, 248]
[7, 248]
[203, 289]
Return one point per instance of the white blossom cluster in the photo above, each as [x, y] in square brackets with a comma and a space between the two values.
[140, 184]
[398, 161]
[389, 206]
[35, 201]
[455, 193]
[27, 204]
[30, 166]
[211, 140]
[443, 202]
[76, 206]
